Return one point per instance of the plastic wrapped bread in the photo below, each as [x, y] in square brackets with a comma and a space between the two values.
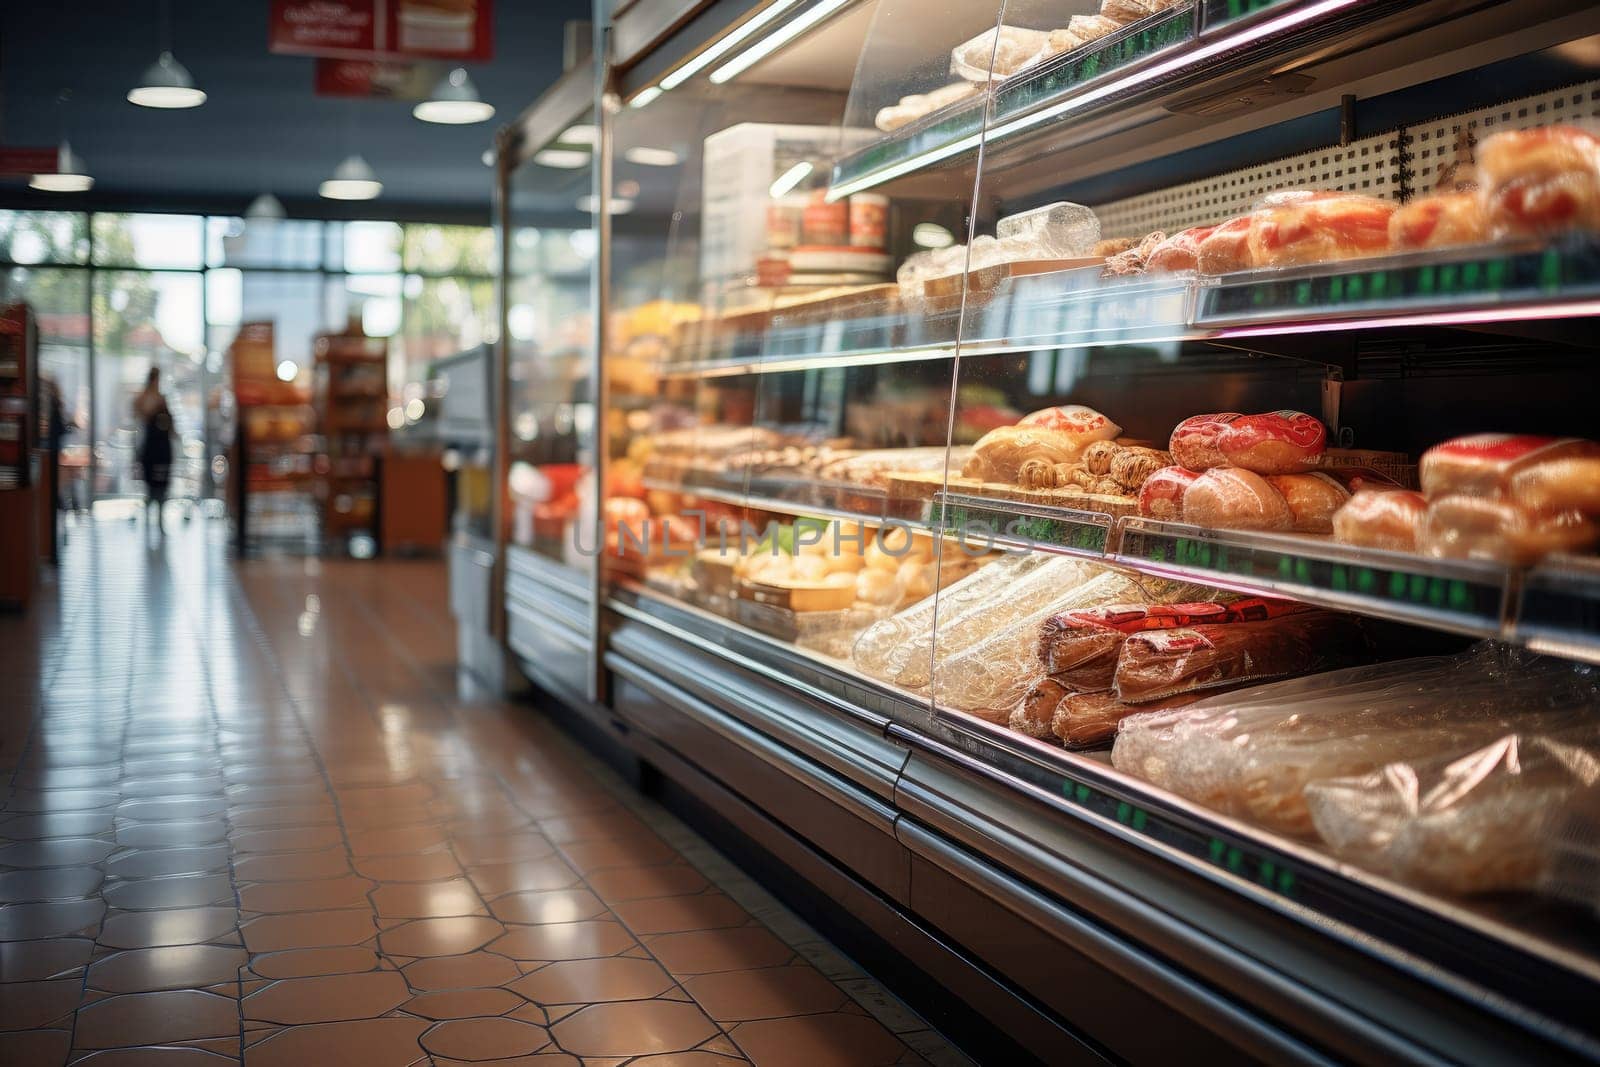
[1473, 822]
[1003, 50]
[885, 648]
[994, 662]
[1061, 230]
[1251, 754]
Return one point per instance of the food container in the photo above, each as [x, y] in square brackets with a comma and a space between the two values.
[785, 217]
[869, 221]
[801, 596]
[824, 224]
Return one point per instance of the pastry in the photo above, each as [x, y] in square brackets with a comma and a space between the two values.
[1131, 466]
[1181, 251]
[1226, 248]
[1098, 456]
[999, 454]
[1085, 424]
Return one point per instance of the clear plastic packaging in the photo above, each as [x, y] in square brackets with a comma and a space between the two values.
[1003, 50]
[1477, 822]
[1251, 754]
[1061, 230]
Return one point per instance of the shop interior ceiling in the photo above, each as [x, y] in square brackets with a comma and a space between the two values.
[263, 128]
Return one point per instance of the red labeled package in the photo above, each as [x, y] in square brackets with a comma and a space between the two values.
[1484, 464]
[1161, 495]
[1227, 247]
[1439, 222]
[1541, 181]
[1160, 664]
[1279, 442]
[1321, 229]
[1194, 441]
[1179, 252]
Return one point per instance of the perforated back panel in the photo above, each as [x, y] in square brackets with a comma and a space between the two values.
[1371, 166]
[1436, 144]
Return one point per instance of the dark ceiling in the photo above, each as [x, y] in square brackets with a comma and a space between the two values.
[263, 128]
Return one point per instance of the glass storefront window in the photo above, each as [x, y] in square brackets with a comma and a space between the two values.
[369, 247]
[157, 241]
[430, 249]
[29, 237]
[289, 243]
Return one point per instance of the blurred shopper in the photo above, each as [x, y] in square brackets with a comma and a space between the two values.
[155, 443]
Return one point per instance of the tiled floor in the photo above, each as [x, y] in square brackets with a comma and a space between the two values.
[250, 815]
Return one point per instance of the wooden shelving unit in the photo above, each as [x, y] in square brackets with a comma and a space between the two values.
[352, 402]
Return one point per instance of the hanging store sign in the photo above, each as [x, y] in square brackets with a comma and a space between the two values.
[383, 29]
[382, 79]
[29, 160]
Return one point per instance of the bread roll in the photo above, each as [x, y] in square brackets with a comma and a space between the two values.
[1439, 222]
[1376, 518]
[1126, 11]
[1540, 181]
[1571, 484]
[1467, 527]
[1181, 251]
[1161, 495]
[880, 587]
[1226, 248]
[1320, 229]
[1194, 441]
[1035, 714]
[1098, 456]
[1132, 466]
[1312, 498]
[1485, 464]
[999, 454]
[1280, 442]
[1230, 498]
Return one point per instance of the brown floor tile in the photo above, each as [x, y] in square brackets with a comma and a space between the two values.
[292, 839]
[283, 815]
[319, 894]
[158, 863]
[371, 819]
[369, 1042]
[428, 900]
[309, 962]
[434, 866]
[484, 1039]
[395, 842]
[706, 951]
[52, 883]
[440, 937]
[155, 1019]
[384, 797]
[294, 866]
[35, 1048]
[479, 849]
[328, 999]
[639, 883]
[474, 969]
[769, 993]
[548, 872]
[59, 918]
[312, 929]
[554, 906]
[670, 915]
[634, 1027]
[591, 827]
[538, 1059]
[29, 1005]
[692, 1058]
[464, 1003]
[832, 1040]
[151, 929]
[159, 1056]
[173, 786]
[640, 851]
[174, 967]
[182, 891]
[35, 961]
[594, 981]
[564, 941]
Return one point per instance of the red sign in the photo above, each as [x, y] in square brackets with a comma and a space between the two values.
[28, 160]
[384, 79]
[383, 29]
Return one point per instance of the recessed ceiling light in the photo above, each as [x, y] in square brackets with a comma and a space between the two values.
[562, 158]
[166, 84]
[646, 156]
[352, 180]
[454, 102]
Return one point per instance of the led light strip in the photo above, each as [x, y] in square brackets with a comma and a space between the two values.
[772, 42]
[676, 77]
[1513, 313]
[1287, 21]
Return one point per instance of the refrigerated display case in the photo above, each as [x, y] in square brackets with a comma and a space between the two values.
[1275, 725]
[548, 336]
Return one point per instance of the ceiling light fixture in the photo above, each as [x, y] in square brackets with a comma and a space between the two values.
[265, 208]
[166, 84]
[724, 46]
[351, 180]
[645, 156]
[454, 101]
[561, 158]
[646, 96]
[582, 133]
[71, 176]
[774, 41]
[789, 179]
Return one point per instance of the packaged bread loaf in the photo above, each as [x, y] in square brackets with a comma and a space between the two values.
[1083, 424]
[1036, 713]
[1479, 821]
[1084, 719]
[1180, 252]
[1003, 51]
[1226, 248]
[1485, 464]
[1279, 442]
[1158, 664]
[1161, 495]
[1251, 754]
[1323, 228]
[1468, 527]
[1554, 486]
[1439, 221]
[1194, 441]
[1313, 500]
[1541, 181]
[1387, 519]
[999, 454]
[1229, 498]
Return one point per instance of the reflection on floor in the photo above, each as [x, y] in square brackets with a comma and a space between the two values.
[250, 815]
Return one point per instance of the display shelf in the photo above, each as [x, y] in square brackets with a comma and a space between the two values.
[1558, 608]
[1098, 68]
[1011, 524]
[1461, 596]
